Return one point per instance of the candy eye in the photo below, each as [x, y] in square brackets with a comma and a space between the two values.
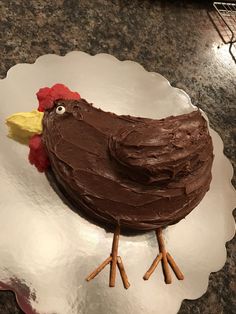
[60, 110]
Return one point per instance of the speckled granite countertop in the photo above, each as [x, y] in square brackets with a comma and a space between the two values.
[174, 38]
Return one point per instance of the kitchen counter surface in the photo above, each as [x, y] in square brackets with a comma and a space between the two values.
[175, 38]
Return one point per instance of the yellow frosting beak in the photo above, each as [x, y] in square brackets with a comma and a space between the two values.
[24, 125]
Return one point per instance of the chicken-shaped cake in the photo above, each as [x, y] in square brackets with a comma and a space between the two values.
[126, 172]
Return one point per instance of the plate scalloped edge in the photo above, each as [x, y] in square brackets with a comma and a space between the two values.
[228, 166]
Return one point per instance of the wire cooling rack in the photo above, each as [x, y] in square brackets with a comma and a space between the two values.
[226, 24]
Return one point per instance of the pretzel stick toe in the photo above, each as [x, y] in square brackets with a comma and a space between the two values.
[153, 267]
[114, 253]
[99, 269]
[166, 270]
[123, 273]
[175, 267]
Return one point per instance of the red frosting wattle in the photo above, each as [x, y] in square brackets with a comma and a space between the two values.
[37, 154]
[46, 96]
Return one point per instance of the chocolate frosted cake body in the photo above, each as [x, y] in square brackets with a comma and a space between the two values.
[140, 173]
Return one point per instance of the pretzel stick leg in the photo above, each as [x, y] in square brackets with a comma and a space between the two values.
[115, 261]
[166, 260]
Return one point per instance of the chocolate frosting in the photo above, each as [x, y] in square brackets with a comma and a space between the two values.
[138, 172]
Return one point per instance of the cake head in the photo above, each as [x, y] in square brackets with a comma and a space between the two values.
[26, 127]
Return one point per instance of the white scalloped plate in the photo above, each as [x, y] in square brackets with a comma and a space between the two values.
[46, 250]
